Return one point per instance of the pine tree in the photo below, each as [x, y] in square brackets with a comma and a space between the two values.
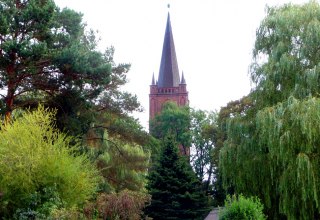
[175, 189]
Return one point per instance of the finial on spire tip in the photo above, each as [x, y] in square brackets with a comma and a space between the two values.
[168, 6]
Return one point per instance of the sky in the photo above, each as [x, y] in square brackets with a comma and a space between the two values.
[213, 40]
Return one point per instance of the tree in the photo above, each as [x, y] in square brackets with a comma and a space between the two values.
[286, 59]
[120, 149]
[195, 129]
[45, 51]
[78, 112]
[124, 166]
[175, 121]
[272, 149]
[289, 130]
[175, 190]
[48, 56]
[204, 136]
[238, 108]
[39, 170]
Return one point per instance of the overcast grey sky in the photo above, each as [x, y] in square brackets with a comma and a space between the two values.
[213, 38]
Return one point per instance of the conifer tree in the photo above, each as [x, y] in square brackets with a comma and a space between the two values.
[47, 52]
[175, 189]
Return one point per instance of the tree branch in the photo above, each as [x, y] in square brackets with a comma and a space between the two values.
[112, 142]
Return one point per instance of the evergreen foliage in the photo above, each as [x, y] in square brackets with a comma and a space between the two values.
[80, 110]
[39, 171]
[123, 164]
[175, 190]
[45, 51]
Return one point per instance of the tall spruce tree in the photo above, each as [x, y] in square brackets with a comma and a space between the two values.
[175, 189]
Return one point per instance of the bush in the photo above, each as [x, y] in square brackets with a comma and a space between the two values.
[241, 208]
[125, 204]
[39, 171]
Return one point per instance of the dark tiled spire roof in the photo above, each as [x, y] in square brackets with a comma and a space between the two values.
[169, 71]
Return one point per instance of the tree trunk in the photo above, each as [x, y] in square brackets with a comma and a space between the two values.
[10, 93]
[209, 178]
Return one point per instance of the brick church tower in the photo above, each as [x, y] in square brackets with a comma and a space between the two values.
[168, 87]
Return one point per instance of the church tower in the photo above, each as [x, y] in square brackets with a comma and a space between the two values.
[168, 87]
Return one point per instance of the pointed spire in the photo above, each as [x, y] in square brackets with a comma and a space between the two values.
[169, 71]
[183, 81]
[153, 81]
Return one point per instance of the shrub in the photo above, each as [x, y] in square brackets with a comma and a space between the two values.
[241, 208]
[125, 204]
[39, 171]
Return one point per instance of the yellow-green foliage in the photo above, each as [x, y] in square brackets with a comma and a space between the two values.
[241, 208]
[34, 156]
